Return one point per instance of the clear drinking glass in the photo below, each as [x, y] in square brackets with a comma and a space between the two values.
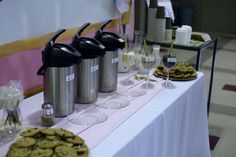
[128, 58]
[137, 47]
[168, 61]
[138, 38]
[11, 97]
[148, 61]
[12, 120]
[11, 113]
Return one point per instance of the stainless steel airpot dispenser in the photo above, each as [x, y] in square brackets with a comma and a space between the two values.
[109, 63]
[58, 73]
[86, 74]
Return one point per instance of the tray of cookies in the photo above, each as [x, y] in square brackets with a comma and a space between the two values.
[180, 72]
[48, 142]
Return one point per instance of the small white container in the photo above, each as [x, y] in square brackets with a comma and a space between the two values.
[181, 36]
[189, 30]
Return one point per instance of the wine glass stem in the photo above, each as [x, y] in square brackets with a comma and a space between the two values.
[147, 84]
[168, 75]
[128, 77]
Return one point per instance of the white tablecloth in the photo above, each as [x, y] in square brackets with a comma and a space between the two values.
[173, 124]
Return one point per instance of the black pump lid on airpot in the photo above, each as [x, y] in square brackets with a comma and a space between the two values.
[110, 40]
[88, 47]
[58, 55]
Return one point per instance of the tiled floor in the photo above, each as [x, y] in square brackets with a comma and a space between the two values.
[222, 117]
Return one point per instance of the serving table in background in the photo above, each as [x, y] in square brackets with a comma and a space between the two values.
[170, 123]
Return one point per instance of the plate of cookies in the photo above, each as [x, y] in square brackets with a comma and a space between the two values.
[48, 142]
[180, 72]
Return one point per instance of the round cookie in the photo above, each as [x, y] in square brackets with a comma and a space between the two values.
[30, 132]
[41, 153]
[48, 131]
[75, 140]
[83, 155]
[81, 149]
[53, 138]
[44, 144]
[64, 133]
[65, 151]
[19, 152]
[64, 143]
[25, 142]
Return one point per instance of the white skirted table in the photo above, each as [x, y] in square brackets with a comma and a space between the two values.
[173, 124]
[162, 123]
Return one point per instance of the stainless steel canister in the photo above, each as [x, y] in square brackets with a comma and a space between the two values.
[59, 89]
[86, 81]
[108, 69]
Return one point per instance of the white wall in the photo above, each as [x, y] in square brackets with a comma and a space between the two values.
[22, 19]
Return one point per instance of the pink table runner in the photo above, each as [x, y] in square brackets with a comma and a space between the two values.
[93, 135]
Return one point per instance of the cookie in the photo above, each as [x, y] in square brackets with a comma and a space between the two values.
[75, 140]
[64, 133]
[65, 151]
[53, 138]
[81, 149]
[44, 144]
[187, 76]
[25, 142]
[41, 153]
[83, 155]
[48, 131]
[30, 132]
[67, 144]
[19, 152]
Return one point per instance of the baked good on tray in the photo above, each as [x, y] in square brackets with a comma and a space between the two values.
[48, 142]
[181, 71]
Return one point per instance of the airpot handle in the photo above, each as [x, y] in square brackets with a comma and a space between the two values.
[46, 53]
[54, 37]
[81, 29]
[104, 25]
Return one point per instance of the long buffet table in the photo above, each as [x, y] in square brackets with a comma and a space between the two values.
[171, 123]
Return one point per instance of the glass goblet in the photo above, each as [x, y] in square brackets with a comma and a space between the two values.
[128, 58]
[148, 62]
[168, 61]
